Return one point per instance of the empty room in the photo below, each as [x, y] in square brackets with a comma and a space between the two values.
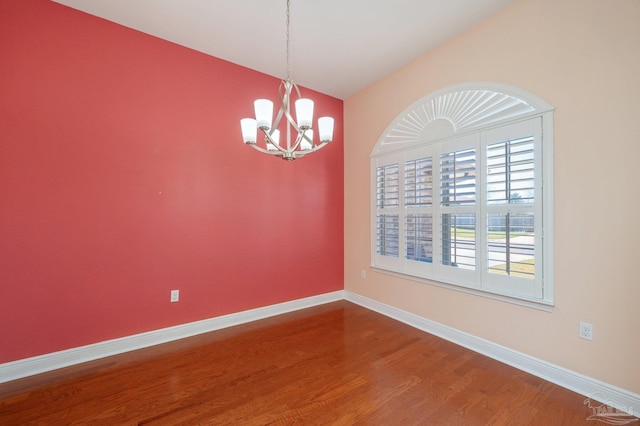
[319, 212]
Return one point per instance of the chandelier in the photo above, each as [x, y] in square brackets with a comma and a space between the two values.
[304, 142]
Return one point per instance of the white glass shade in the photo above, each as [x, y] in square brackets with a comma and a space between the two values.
[249, 130]
[325, 127]
[264, 113]
[304, 113]
[305, 145]
[275, 137]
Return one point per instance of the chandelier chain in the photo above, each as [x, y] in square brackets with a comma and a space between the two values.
[288, 42]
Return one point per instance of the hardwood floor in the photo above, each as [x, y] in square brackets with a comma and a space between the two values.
[333, 364]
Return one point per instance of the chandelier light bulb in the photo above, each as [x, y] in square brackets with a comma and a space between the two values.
[325, 127]
[249, 130]
[264, 113]
[304, 113]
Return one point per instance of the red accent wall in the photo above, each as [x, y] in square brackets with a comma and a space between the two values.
[123, 175]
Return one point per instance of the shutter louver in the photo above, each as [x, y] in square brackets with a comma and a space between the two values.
[388, 243]
[388, 186]
[511, 244]
[419, 237]
[418, 182]
[458, 178]
[418, 199]
[458, 240]
[388, 197]
[510, 171]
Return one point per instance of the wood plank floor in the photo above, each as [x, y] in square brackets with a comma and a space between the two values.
[335, 364]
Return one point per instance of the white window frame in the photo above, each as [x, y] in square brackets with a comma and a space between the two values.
[473, 115]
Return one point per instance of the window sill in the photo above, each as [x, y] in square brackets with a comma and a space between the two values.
[543, 305]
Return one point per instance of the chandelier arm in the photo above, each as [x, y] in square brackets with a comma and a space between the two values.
[298, 141]
[276, 122]
[272, 142]
[295, 86]
[285, 103]
[292, 122]
[290, 84]
[320, 146]
[265, 151]
[306, 137]
[285, 108]
[298, 154]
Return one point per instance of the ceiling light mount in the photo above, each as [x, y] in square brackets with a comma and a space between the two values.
[303, 143]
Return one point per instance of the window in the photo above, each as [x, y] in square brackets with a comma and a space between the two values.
[459, 195]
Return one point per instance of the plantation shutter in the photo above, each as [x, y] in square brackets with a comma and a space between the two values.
[457, 194]
[457, 200]
[513, 208]
[418, 200]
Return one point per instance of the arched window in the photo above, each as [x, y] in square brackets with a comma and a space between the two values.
[461, 190]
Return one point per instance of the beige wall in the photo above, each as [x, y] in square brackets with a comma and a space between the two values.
[582, 56]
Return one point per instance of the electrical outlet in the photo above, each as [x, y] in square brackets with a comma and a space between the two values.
[363, 274]
[585, 331]
[175, 295]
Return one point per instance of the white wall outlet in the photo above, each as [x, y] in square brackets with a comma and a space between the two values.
[175, 295]
[363, 274]
[585, 331]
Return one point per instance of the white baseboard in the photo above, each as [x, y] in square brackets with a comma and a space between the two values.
[592, 389]
[52, 361]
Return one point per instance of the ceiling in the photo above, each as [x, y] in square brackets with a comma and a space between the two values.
[338, 47]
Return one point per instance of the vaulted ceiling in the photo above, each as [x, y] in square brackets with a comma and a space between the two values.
[338, 47]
